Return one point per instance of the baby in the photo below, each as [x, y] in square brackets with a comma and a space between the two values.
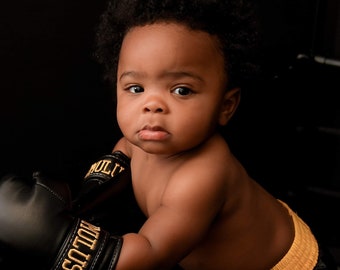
[177, 68]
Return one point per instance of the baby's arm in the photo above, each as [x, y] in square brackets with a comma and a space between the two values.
[188, 206]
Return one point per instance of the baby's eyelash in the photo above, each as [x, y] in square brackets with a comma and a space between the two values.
[135, 89]
[182, 91]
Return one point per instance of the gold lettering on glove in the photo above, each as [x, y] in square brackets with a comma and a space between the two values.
[104, 166]
[85, 242]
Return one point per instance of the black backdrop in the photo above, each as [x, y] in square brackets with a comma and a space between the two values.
[55, 111]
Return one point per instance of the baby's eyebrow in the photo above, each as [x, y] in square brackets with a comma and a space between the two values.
[182, 74]
[133, 74]
[169, 74]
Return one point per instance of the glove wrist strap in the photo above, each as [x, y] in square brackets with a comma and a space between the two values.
[88, 247]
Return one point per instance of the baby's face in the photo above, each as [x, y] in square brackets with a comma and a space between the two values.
[170, 87]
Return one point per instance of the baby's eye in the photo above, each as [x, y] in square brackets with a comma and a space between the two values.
[135, 89]
[182, 91]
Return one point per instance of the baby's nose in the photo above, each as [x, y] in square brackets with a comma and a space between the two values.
[155, 104]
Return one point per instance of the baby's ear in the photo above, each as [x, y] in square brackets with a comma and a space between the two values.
[230, 102]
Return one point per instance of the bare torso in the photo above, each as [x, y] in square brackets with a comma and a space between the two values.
[251, 227]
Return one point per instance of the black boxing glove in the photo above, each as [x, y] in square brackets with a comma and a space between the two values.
[105, 197]
[38, 232]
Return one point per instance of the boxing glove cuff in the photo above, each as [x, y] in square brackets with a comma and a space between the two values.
[88, 247]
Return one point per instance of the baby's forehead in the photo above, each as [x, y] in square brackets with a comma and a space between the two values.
[170, 48]
[165, 34]
[169, 41]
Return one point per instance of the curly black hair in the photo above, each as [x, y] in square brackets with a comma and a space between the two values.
[233, 22]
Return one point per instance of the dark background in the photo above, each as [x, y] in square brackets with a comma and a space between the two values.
[57, 115]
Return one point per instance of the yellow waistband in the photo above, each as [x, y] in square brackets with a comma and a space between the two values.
[303, 253]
